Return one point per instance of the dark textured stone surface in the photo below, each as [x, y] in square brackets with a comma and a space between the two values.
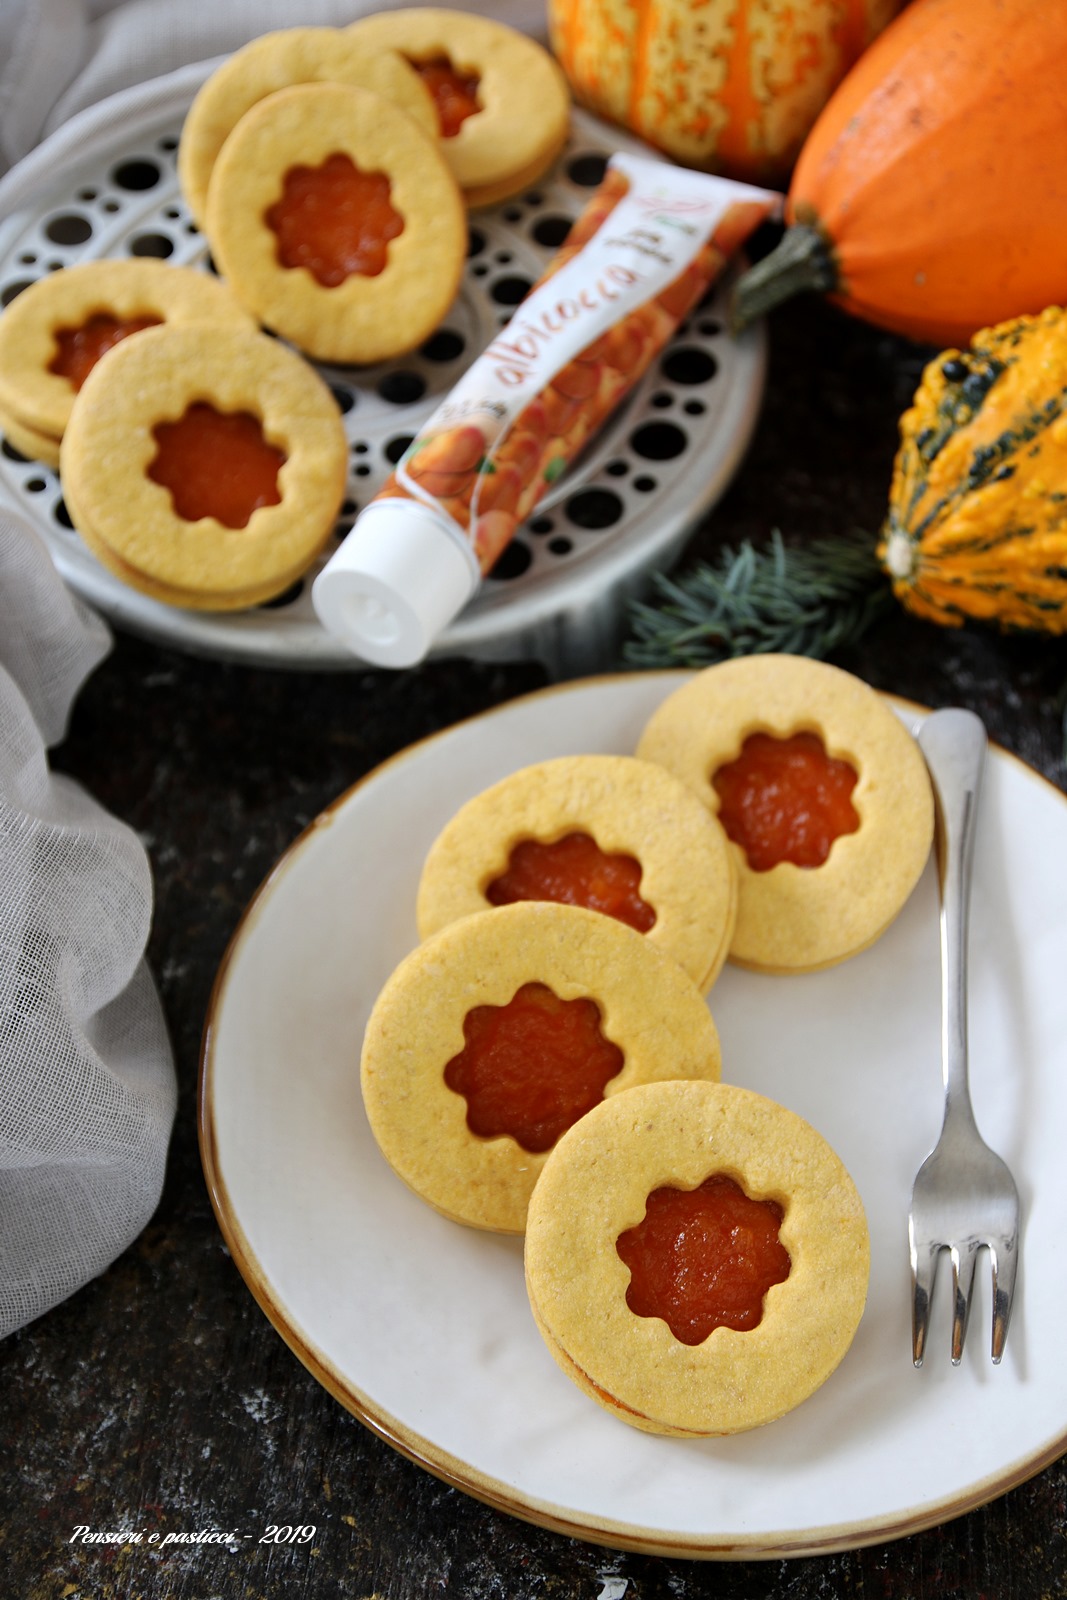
[159, 1397]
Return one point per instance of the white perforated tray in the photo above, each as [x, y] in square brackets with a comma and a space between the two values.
[627, 505]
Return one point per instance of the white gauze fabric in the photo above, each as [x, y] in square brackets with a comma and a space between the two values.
[87, 1083]
[87, 1080]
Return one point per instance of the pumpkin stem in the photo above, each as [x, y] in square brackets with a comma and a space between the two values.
[803, 260]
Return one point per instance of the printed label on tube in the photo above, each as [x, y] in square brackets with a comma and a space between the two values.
[579, 341]
[640, 255]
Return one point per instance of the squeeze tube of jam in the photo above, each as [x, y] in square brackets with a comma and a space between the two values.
[638, 257]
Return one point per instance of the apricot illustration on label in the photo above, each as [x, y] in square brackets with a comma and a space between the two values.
[521, 448]
[445, 463]
[621, 348]
[678, 297]
[500, 488]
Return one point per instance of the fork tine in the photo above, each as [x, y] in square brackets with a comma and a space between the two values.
[962, 1283]
[1005, 1259]
[923, 1272]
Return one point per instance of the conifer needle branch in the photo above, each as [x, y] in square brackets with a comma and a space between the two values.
[806, 600]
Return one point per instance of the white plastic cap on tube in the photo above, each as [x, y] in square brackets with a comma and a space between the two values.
[395, 583]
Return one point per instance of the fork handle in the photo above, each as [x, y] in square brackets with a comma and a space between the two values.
[954, 744]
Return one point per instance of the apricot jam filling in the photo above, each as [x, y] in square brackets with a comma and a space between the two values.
[786, 800]
[79, 349]
[704, 1258]
[531, 1068]
[335, 220]
[454, 93]
[574, 871]
[216, 464]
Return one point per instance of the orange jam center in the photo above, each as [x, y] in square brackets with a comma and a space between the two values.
[531, 1068]
[79, 349]
[704, 1258]
[335, 220]
[785, 800]
[455, 93]
[574, 871]
[216, 464]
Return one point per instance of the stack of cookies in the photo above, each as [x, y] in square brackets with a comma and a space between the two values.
[332, 169]
[204, 464]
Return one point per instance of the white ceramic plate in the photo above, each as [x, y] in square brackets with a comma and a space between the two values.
[422, 1328]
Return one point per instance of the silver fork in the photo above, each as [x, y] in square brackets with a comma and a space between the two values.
[964, 1196]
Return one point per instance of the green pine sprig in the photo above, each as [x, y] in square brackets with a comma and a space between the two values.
[800, 600]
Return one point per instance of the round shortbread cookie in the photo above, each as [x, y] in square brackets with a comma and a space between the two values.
[792, 918]
[276, 61]
[130, 521]
[126, 290]
[632, 808]
[523, 97]
[649, 1009]
[365, 318]
[595, 1186]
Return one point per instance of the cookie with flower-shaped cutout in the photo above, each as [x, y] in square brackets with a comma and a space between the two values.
[337, 222]
[822, 791]
[697, 1258]
[503, 102]
[204, 464]
[615, 834]
[499, 1032]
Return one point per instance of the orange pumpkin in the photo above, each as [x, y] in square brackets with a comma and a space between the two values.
[730, 86]
[930, 197]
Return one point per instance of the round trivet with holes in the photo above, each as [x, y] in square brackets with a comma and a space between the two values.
[556, 595]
